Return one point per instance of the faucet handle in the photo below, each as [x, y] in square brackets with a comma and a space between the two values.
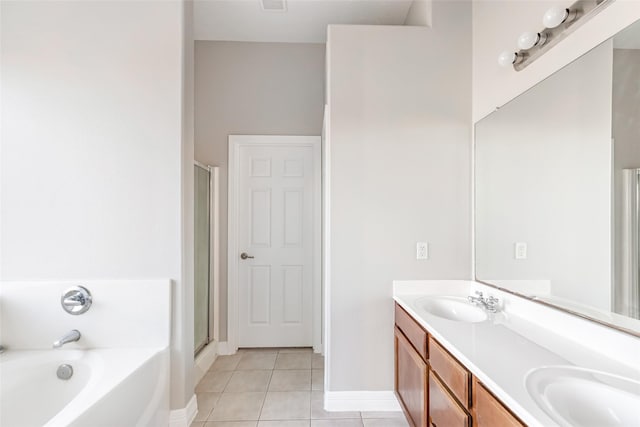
[492, 304]
[76, 300]
[479, 294]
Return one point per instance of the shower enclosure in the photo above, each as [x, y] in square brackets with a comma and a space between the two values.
[205, 254]
[630, 277]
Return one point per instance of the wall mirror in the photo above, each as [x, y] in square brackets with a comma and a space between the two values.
[557, 184]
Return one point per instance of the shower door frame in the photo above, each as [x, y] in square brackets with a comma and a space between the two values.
[213, 326]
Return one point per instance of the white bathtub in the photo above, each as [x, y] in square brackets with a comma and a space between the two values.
[109, 387]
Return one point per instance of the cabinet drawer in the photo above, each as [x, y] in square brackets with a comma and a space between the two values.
[488, 411]
[451, 372]
[444, 410]
[412, 330]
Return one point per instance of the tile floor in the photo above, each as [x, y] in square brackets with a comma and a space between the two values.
[274, 388]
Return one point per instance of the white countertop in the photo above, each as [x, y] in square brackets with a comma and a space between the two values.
[501, 351]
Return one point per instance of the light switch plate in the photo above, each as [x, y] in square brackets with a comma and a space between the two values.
[422, 250]
[520, 250]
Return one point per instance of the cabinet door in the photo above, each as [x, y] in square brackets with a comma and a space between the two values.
[488, 411]
[411, 381]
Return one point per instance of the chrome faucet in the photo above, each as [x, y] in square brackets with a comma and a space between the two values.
[76, 300]
[489, 304]
[72, 336]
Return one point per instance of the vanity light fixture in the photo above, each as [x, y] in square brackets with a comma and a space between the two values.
[558, 23]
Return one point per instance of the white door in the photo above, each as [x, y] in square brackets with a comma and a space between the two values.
[278, 207]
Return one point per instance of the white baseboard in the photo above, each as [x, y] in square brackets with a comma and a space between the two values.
[185, 416]
[360, 401]
[204, 360]
[224, 349]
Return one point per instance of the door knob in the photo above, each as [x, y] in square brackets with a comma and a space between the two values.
[244, 255]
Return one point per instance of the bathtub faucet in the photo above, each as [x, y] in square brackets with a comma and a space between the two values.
[72, 336]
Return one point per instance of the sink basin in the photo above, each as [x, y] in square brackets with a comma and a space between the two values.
[574, 396]
[451, 308]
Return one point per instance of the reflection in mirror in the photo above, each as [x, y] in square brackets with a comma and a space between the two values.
[558, 187]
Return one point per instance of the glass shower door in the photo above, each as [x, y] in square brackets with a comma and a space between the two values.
[202, 257]
[627, 292]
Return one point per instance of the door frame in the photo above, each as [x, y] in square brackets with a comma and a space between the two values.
[235, 142]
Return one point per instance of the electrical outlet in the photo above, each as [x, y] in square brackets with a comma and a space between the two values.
[520, 250]
[422, 250]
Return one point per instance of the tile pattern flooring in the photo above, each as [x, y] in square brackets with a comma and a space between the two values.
[274, 388]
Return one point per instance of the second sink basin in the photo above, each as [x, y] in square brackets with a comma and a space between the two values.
[451, 308]
[575, 396]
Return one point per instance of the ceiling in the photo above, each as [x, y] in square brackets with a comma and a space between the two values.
[304, 21]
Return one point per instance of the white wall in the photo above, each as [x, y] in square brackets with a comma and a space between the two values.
[91, 151]
[496, 26]
[400, 173]
[543, 177]
[182, 357]
[253, 89]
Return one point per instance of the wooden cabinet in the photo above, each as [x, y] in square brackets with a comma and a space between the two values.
[411, 381]
[488, 411]
[435, 389]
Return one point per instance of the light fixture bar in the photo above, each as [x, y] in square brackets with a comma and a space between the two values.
[579, 13]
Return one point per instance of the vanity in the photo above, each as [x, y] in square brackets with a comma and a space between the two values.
[434, 388]
[459, 365]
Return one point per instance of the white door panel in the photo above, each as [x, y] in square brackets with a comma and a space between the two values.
[276, 196]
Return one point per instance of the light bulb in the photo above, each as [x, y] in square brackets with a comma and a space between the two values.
[555, 16]
[507, 58]
[530, 39]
